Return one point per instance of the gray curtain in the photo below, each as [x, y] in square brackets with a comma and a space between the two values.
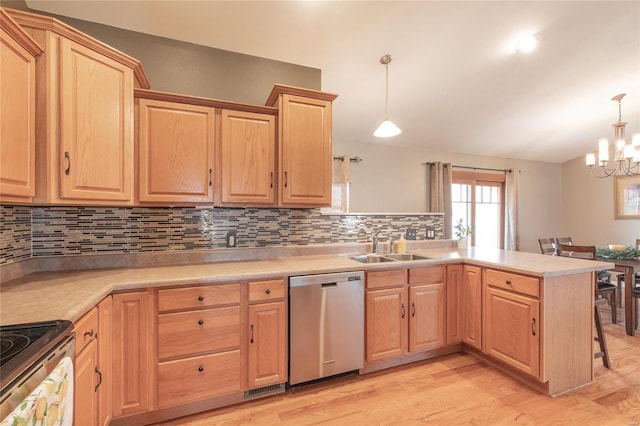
[440, 178]
[512, 192]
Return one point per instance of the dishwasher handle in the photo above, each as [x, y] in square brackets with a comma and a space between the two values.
[329, 285]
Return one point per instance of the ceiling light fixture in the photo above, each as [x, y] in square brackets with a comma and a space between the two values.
[527, 44]
[626, 155]
[387, 128]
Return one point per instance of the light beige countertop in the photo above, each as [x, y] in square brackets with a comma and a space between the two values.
[67, 295]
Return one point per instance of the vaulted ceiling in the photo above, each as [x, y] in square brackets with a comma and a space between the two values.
[455, 82]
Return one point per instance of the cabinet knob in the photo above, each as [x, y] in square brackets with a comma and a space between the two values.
[200, 322]
[201, 369]
[88, 333]
[200, 298]
[267, 291]
[508, 282]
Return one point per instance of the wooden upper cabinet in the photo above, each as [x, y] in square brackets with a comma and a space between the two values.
[84, 111]
[304, 146]
[96, 126]
[18, 53]
[175, 152]
[247, 158]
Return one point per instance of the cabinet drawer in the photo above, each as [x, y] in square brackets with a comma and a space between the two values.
[434, 274]
[378, 279]
[199, 377]
[260, 291]
[174, 299]
[86, 329]
[514, 282]
[194, 332]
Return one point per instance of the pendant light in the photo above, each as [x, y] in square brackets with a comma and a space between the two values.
[387, 128]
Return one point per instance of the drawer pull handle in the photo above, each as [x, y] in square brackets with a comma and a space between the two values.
[508, 282]
[200, 322]
[533, 323]
[267, 291]
[403, 311]
[200, 298]
[88, 333]
[251, 333]
[99, 379]
[201, 369]
[413, 309]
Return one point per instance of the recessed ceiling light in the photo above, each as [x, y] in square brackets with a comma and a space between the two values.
[527, 44]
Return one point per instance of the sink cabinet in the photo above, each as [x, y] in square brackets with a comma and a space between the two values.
[405, 312]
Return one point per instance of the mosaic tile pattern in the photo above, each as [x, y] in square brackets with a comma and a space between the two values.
[15, 233]
[59, 231]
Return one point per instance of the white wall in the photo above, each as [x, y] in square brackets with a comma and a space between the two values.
[587, 209]
[393, 178]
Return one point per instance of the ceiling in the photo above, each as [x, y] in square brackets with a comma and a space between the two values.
[455, 82]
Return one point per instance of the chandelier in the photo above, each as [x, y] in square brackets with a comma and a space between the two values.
[626, 160]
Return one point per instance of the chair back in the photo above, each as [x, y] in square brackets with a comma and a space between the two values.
[564, 240]
[546, 246]
[579, 252]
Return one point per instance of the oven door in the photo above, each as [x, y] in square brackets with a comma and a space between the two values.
[43, 392]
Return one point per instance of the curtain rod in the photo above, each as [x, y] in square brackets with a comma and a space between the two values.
[355, 159]
[473, 168]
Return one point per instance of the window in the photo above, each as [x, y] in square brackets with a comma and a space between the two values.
[339, 199]
[478, 198]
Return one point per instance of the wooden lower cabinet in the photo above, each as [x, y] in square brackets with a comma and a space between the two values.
[512, 329]
[132, 345]
[92, 389]
[404, 319]
[198, 348]
[454, 303]
[472, 306]
[267, 327]
[386, 323]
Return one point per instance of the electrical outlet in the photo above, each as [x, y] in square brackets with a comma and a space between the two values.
[431, 233]
[231, 239]
[412, 234]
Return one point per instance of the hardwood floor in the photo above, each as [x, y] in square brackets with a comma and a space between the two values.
[455, 389]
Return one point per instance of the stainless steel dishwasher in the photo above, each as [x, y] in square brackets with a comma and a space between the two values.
[326, 325]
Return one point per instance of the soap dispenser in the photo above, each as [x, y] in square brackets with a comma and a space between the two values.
[402, 244]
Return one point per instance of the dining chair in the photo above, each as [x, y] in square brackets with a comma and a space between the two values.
[589, 252]
[603, 276]
[636, 290]
[546, 246]
[563, 240]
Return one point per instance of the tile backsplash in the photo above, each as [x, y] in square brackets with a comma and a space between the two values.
[59, 231]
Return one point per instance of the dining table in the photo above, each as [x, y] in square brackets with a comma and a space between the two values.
[629, 267]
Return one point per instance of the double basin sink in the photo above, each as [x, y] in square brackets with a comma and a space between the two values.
[388, 257]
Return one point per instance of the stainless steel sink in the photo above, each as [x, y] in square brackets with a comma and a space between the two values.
[389, 257]
[405, 256]
[371, 258]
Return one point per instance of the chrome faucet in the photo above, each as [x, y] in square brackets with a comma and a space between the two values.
[374, 238]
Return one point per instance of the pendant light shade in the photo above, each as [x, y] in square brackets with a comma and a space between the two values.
[387, 128]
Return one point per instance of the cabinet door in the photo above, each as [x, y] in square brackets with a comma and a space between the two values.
[454, 302]
[96, 126]
[131, 353]
[472, 306]
[305, 151]
[175, 147]
[386, 323]
[17, 115]
[267, 344]
[247, 158]
[85, 403]
[511, 331]
[426, 320]
[105, 320]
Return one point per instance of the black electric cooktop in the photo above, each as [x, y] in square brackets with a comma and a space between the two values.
[23, 344]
